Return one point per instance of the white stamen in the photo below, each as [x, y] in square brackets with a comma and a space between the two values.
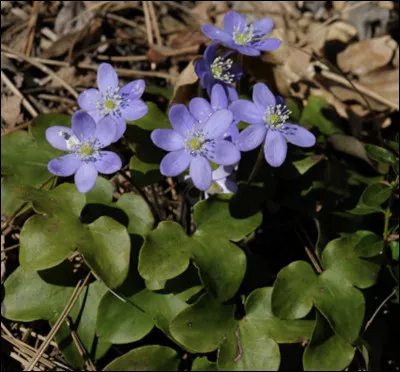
[243, 37]
[220, 69]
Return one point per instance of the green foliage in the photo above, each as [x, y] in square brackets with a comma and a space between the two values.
[24, 156]
[51, 236]
[222, 265]
[31, 295]
[372, 198]
[380, 154]
[146, 358]
[297, 289]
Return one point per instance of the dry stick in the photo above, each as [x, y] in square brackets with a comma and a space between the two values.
[154, 21]
[68, 307]
[81, 348]
[27, 349]
[310, 255]
[43, 68]
[129, 72]
[338, 79]
[22, 126]
[149, 29]
[23, 361]
[122, 58]
[15, 90]
[32, 28]
[378, 309]
[127, 22]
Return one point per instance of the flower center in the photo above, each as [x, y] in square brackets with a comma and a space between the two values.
[220, 69]
[86, 150]
[195, 143]
[276, 116]
[110, 104]
[243, 37]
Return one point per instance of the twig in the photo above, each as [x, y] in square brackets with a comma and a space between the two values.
[15, 90]
[378, 309]
[10, 248]
[127, 22]
[310, 255]
[22, 126]
[131, 73]
[154, 21]
[81, 348]
[32, 28]
[371, 94]
[149, 29]
[122, 58]
[68, 307]
[43, 68]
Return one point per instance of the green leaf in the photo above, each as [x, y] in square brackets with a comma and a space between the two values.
[202, 326]
[252, 345]
[294, 106]
[145, 163]
[25, 156]
[122, 322]
[165, 253]
[157, 90]
[31, 295]
[50, 237]
[248, 348]
[203, 364]
[144, 173]
[342, 257]
[380, 154]
[304, 165]
[297, 288]
[154, 119]
[372, 198]
[314, 114]
[146, 358]
[222, 265]
[327, 351]
[83, 318]
[293, 289]
[394, 247]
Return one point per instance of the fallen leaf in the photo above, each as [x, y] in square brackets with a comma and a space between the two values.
[69, 11]
[368, 55]
[341, 31]
[11, 110]
[185, 86]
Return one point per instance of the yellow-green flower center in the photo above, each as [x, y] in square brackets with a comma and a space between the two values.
[86, 150]
[274, 119]
[110, 104]
[241, 38]
[195, 143]
[216, 70]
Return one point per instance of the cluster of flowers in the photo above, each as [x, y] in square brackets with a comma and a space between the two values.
[101, 122]
[203, 133]
[207, 131]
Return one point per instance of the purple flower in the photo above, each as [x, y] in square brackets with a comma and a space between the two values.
[238, 35]
[109, 100]
[201, 109]
[222, 181]
[212, 69]
[268, 118]
[83, 142]
[193, 144]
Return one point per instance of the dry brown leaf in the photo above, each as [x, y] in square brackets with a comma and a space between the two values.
[70, 10]
[185, 86]
[333, 100]
[69, 75]
[367, 55]
[188, 38]
[201, 11]
[341, 31]
[384, 82]
[11, 110]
